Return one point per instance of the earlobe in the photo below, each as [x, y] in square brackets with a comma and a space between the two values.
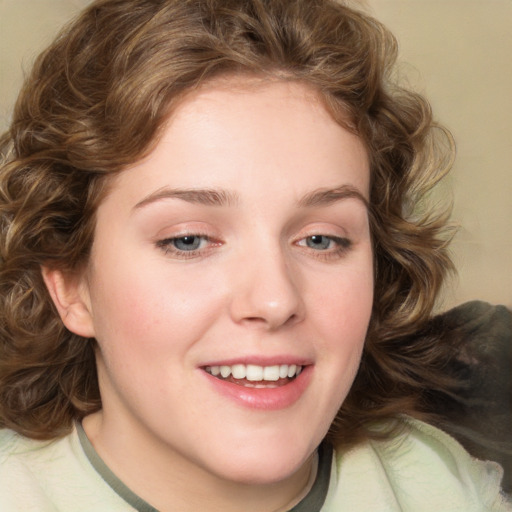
[71, 300]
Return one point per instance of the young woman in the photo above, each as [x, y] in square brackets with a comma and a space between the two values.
[214, 257]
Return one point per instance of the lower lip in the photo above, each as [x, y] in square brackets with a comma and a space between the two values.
[269, 399]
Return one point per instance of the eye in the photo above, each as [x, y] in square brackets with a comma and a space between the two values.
[186, 246]
[325, 247]
[324, 242]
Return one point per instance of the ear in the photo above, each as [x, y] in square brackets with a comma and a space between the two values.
[70, 295]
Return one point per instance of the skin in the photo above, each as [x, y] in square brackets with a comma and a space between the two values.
[256, 288]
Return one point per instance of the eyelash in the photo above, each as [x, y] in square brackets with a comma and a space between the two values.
[168, 245]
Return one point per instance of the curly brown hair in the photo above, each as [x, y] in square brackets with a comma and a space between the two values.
[95, 102]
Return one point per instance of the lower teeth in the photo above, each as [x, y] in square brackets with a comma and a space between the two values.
[259, 386]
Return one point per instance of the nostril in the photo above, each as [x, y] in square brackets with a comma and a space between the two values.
[254, 320]
[269, 322]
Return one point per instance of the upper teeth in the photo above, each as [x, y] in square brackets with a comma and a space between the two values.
[253, 372]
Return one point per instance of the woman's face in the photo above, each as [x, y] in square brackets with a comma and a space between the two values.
[230, 285]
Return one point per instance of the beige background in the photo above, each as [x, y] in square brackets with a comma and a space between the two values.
[456, 51]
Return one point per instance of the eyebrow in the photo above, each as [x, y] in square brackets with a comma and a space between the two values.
[325, 197]
[206, 196]
[221, 197]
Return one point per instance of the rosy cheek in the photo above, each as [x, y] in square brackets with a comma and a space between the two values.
[346, 315]
[164, 312]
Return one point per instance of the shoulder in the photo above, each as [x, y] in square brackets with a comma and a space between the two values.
[20, 487]
[46, 476]
[419, 469]
[18, 452]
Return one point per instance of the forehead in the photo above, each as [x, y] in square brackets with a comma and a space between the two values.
[232, 132]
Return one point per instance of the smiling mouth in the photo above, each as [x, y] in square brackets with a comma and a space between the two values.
[255, 376]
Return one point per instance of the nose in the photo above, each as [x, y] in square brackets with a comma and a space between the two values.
[267, 292]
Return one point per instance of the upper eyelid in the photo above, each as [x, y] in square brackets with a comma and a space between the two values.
[168, 232]
[292, 233]
[336, 232]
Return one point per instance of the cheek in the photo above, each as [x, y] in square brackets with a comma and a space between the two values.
[150, 308]
[343, 312]
[346, 298]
